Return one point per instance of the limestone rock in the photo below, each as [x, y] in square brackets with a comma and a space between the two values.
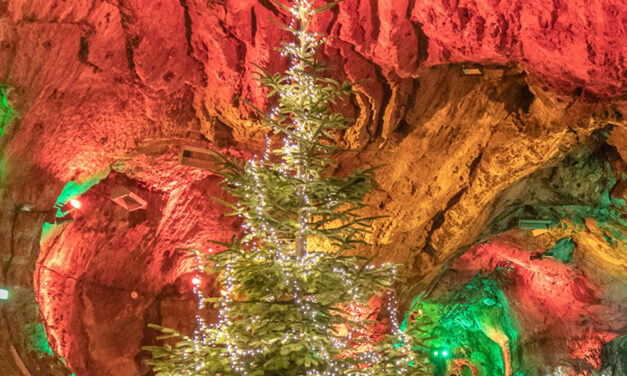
[121, 85]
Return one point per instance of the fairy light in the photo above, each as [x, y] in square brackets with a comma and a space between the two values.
[267, 242]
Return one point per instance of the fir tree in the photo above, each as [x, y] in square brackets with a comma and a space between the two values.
[283, 300]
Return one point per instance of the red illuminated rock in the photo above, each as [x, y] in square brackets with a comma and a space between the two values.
[90, 268]
[570, 46]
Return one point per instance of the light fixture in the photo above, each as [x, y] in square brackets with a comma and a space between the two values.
[472, 71]
[444, 353]
[75, 203]
[4, 294]
[196, 281]
[68, 206]
[197, 157]
[127, 198]
[61, 212]
[534, 224]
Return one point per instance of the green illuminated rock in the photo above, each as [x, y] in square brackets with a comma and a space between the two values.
[472, 322]
[563, 250]
[7, 114]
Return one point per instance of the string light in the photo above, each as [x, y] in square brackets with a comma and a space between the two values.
[271, 242]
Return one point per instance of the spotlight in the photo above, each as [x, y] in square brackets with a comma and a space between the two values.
[534, 224]
[75, 203]
[127, 199]
[69, 206]
[435, 353]
[26, 208]
[197, 157]
[444, 353]
[472, 71]
[62, 212]
[196, 281]
[4, 294]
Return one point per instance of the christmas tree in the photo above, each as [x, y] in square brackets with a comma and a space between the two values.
[287, 285]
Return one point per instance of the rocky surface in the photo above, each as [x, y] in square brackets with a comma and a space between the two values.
[569, 306]
[121, 85]
[89, 274]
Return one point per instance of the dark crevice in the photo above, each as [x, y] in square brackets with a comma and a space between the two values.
[130, 42]
[438, 220]
[524, 97]
[241, 48]
[423, 43]
[410, 9]
[576, 95]
[404, 128]
[253, 25]
[423, 40]
[83, 52]
[188, 26]
[336, 11]
[385, 101]
[188, 38]
[130, 56]
[514, 93]
[374, 17]
[269, 6]
[473, 166]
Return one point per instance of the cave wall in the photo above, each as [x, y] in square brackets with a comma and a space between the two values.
[88, 277]
[122, 85]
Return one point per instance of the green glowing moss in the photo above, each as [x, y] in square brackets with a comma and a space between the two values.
[7, 114]
[474, 322]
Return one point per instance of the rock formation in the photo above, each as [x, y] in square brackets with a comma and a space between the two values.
[107, 92]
